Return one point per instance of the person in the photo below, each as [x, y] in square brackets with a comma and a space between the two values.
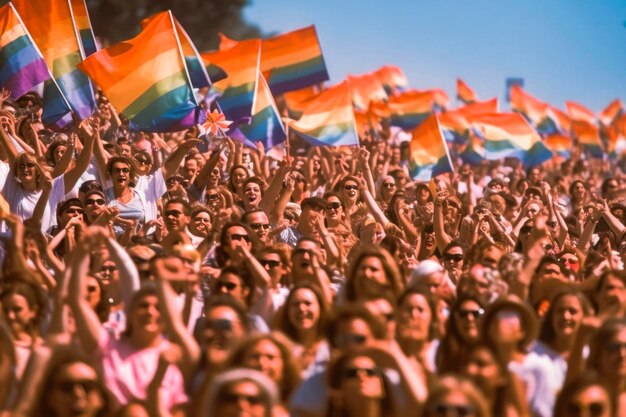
[587, 394]
[455, 396]
[374, 274]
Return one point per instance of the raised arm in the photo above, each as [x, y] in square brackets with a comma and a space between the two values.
[129, 276]
[364, 157]
[72, 176]
[173, 162]
[441, 236]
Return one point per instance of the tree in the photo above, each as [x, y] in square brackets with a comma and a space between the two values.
[117, 20]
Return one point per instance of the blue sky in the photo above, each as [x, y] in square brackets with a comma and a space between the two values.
[564, 49]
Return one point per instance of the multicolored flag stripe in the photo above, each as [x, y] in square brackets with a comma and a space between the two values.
[393, 79]
[365, 88]
[559, 145]
[464, 93]
[146, 79]
[522, 102]
[241, 62]
[578, 112]
[428, 152]
[51, 26]
[588, 138]
[83, 24]
[614, 110]
[295, 101]
[266, 126]
[329, 119]
[508, 135]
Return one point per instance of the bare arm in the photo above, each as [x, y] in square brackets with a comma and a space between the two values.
[173, 162]
[72, 176]
[129, 276]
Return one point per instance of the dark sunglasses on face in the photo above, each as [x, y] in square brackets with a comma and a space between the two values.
[173, 213]
[571, 261]
[74, 211]
[98, 201]
[594, 409]
[616, 347]
[257, 226]
[345, 339]
[213, 197]
[351, 187]
[389, 185]
[86, 385]
[109, 268]
[142, 162]
[269, 262]
[92, 288]
[355, 372]
[465, 314]
[233, 398]
[121, 170]
[455, 258]
[334, 206]
[236, 236]
[219, 324]
[28, 165]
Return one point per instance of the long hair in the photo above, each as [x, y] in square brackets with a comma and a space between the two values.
[390, 266]
[547, 335]
[452, 384]
[281, 318]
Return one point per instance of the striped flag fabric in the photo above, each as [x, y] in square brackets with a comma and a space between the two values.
[617, 137]
[464, 93]
[578, 112]
[614, 110]
[522, 102]
[559, 145]
[365, 88]
[22, 67]
[393, 79]
[241, 63]
[329, 119]
[428, 152]
[146, 80]
[266, 125]
[588, 138]
[51, 26]
[83, 25]
[509, 135]
[296, 101]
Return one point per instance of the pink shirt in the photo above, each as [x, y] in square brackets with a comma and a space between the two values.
[128, 372]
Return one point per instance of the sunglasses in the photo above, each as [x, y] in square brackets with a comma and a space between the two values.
[109, 268]
[454, 258]
[121, 170]
[73, 211]
[68, 386]
[334, 206]
[219, 324]
[465, 314]
[28, 165]
[228, 285]
[457, 410]
[173, 213]
[142, 162]
[389, 185]
[98, 201]
[594, 409]
[355, 372]
[213, 197]
[257, 226]
[233, 398]
[351, 187]
[92, 288]
[345, 339]
[236, 236]
[571, 261]
[269, 262]
[616, 347]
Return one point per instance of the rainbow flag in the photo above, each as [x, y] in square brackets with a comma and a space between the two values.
[559, 145]
[294, 60]
[215, 72]
[617, 137]
[522, 102]
[22, 67]
[392, 79]
[241, 62]
[578, 112]
[51, 26]
[509, 135]
[454, 126]
[365, 88]
[83, 24]
[429, 155]
[588, 137]
[195, 66]
[329, 119]
[480, 107]
[146, 80]
[296, 101]
[474, 152]
[611, 112]
[226, 42]
[464, 92]
[266, 125]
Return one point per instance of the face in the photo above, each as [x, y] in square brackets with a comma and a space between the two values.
[241, 399]
[231, 284]
[467, 319]
[533, 210]
[613, 359]
[334, 211]
[213, 199]
[353, 334]
[451, 404]
[75, 392]
[146, 316]
[612, 292]
[94, 294]
[239, 176]
[303, 309]
[579, 190]
[415, 318]
[266, 357]
[568, 314]
[70, 213]
[273, 265]
[453, 261]
[120, 173]
[570, 261]
[592, 401]
[361, 379]
[483, 369]
[201, 224]
[388, 187]
[222, 328]
[551, 270]
[260, 224]
[126, 149]
[491, 256]
[175, 217]
[59, 151]
[371, 279]
[27, 171]
[252, 195]
[190, 169]
[18, 313]
[94, 204]
[506, 327]
[236, 236]
[350, 190]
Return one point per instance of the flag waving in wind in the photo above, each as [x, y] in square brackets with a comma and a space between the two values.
[464, 92]
[429, 154]
[146, 79]
[329, 119]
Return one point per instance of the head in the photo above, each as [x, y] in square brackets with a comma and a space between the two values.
[69, 209]
[176, 213]
[353, 326]
[143, 314]
[23, 307]
[94, 204]
[455, 396]
[586, 395]
[608, 351]
[241, 392]
[122, 171]
[510, 321]
[258, 221]
[305, 312]
[143, 161]
[564, 317]
[253, 189]
[201, 223]
[374, 274]
[235, 282]
[417, 316]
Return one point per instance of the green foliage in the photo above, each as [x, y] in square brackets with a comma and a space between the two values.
[116, 20]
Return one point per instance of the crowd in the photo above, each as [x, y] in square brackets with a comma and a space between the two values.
[184, 275]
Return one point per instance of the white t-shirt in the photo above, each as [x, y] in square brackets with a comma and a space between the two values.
[151, 187]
